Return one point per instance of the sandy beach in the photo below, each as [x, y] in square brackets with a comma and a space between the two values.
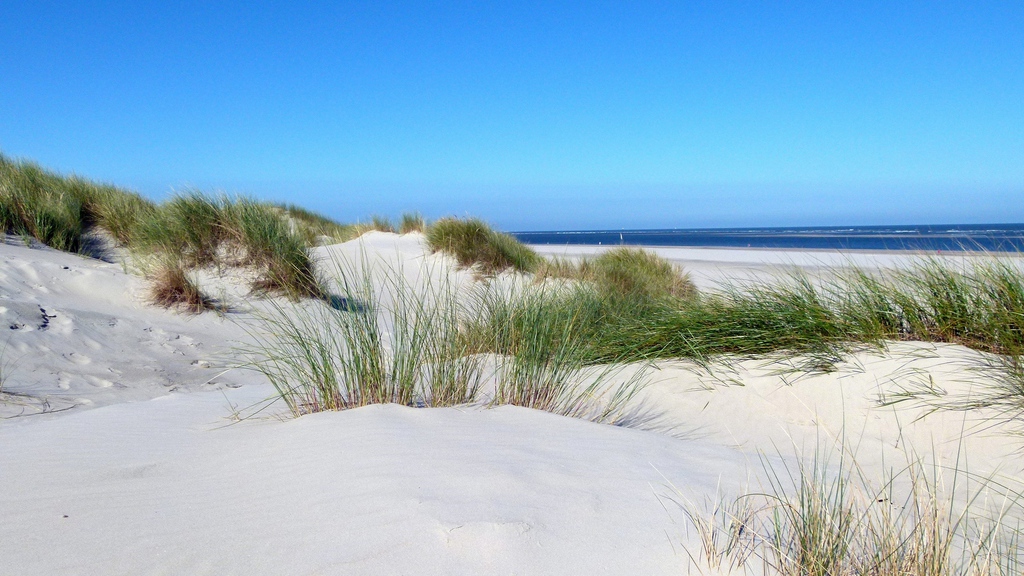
[131, 444]
[709, 267]
[525, 289]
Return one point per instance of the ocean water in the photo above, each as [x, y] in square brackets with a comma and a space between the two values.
[954, 237]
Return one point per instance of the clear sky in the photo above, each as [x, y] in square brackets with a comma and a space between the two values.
[538, 115]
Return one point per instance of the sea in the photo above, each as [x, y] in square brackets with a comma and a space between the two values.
[930, 238]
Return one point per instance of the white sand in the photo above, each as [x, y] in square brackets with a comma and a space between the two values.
[120, 454]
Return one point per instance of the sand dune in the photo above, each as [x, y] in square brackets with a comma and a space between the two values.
[122, 453]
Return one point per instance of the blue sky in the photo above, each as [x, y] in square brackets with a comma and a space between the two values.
[535, 116]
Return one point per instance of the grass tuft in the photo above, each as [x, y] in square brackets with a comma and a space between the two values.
[270, 244]
[723, 530]
[385, 342]
[825, 520]
[171, 287]
[316, 228]
[565, 269]
[411, 222]
[202, 230]
[381, 224]
[624, 271]
[38, 204]
[541, 335]
[191, 229]
[191, 225]
[57, 210]
[630, 271]
[473, 243]
[120, 213]
[400, 346]
[821, 319]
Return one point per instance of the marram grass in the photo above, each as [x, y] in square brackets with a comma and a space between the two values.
[171, 287]
[980, 306]
[475, 244]
[640, 307]
[625, 271]
[824, 516]
[192, 229]
[368, 347]
[203, 230]
[58, 210]
[381, 224]
[545, 361]
[317, 229]
[411, 222]
[384, 342]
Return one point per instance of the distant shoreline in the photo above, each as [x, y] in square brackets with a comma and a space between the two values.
[927, 239]
[865, 251]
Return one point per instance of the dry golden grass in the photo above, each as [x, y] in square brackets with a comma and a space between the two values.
[171, 287]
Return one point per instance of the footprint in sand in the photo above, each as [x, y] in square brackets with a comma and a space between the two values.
[90, 343]
[80, 359]
[128, 472]
[99, 382]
